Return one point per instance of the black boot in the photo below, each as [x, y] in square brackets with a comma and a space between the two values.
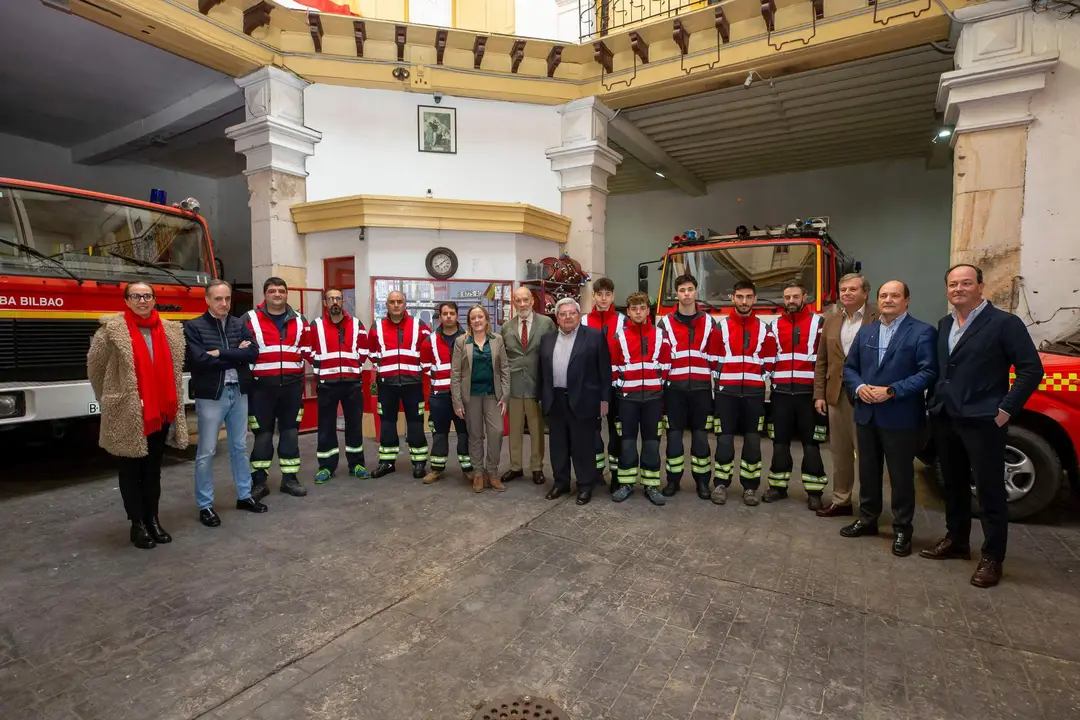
[153, 526]
[703, 490]
[418, 470]
[385, 468]
[140, 536]
[291, 486]
[671, 488]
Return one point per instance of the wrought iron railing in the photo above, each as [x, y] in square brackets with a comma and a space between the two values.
[598, 18]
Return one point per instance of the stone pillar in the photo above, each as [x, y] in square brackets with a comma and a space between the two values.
[988, 101]
[276, 144]
[584, 163]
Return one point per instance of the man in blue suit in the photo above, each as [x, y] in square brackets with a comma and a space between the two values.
[888, 370]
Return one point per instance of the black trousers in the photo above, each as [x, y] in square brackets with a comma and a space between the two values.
[411, 398]
[350, 396]
[733, 414]
[896, 449]
[571, 441]
[974, 449]
[644, 418]
[688, 410]
[439, 419]
[614, 444]
[270, 406]
[794, 418]
[140, 478]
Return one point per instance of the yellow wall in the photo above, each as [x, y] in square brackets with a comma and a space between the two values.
[626, 15]
[396, 10]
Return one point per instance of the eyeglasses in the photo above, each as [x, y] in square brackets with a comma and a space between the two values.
[141, 296]
[335, 300]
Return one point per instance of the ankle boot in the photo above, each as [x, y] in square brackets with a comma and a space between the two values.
[478, 482]
[140, 536]
[153, 526]
[496, 483]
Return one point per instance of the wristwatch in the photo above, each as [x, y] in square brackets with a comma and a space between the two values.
[889, 391]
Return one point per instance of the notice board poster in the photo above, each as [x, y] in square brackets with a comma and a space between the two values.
[424, 294]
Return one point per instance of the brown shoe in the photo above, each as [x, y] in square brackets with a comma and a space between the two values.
[496, 483]
[538, 478]
[834, 510]
[946, 549]
[432, 477]
[478, 481]
[988, 574]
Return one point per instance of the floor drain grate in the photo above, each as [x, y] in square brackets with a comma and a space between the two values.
[521, 707]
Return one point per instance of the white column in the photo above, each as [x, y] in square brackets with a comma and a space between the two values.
[988, 99]
[584, 163]
[276, 143]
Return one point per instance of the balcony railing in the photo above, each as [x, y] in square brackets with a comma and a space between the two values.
[598, 18]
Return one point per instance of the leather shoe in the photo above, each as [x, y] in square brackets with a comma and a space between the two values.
[140, 536]
[946, 549]
[153, 526]
[251, 505]
[584, 496]
[988, 574]
[513, 475]
[538, 478]
[384, 468]
[901, 544]
[209, 518]
[556, 492]
[834, 510]
[859, 528]
[703, 491]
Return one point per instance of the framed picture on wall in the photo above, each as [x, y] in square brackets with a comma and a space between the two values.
[436, 129]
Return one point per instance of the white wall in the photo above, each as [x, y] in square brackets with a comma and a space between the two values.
[538, 19]
[369, 147]
[431, 12]
[1050, 254]
[895, 217]
[399, 252]
[223, 203]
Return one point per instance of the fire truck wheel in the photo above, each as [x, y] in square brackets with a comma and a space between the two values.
[1033, 474]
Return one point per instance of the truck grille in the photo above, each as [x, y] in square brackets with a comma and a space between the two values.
[44, 350]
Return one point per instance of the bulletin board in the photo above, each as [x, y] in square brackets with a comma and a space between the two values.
[424, 294]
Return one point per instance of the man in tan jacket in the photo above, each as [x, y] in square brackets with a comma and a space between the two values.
[830, 398]
[524, 371]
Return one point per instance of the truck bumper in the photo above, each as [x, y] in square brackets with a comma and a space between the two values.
[26, 402]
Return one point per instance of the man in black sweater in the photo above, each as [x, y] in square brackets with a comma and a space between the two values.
[970, 409]
[220, 351]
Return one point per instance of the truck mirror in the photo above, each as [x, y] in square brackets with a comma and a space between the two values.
[643, 271]
[643, 285]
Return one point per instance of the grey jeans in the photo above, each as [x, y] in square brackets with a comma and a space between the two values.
[482, 417]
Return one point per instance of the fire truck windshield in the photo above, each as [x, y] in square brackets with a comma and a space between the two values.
[92, 238]
[770, 266]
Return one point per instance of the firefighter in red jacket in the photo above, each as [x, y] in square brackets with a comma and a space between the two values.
[640, 360]
[439, 401]
[688, 397]
[797, 331]
[400, 350]
[277, 391]
[336, 345]
[610, 322]
[743, 354]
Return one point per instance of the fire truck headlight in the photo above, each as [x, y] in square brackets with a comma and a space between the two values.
[10, 405]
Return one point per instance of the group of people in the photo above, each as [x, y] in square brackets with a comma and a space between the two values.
[866, 376]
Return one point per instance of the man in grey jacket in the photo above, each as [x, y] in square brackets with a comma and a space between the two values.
[521, 336]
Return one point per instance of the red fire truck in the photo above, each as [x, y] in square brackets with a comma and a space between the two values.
[65, 255]
[771, 258]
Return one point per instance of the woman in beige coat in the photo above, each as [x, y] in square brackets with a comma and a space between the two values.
[480, 390]
[135, 366]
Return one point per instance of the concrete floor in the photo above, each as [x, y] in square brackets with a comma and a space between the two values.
[387, 598]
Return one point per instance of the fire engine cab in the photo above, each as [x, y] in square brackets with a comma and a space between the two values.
[772, 257]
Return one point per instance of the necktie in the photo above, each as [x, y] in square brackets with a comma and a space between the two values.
[524, 334]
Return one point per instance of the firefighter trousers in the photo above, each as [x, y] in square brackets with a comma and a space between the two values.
[350, 396]
[732, 414]
[411, 398]
[614, 445]
[439, 419]
[270, 406]
[793, 418]
[688, 410]
[644, 418]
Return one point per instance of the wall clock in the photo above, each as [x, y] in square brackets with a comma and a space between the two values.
[441, 263]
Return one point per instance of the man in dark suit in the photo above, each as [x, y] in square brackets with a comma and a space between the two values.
[969, 410]
[575, 389]
[891, 365]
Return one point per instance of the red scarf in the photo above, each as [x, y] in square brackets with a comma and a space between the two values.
[157, 386]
